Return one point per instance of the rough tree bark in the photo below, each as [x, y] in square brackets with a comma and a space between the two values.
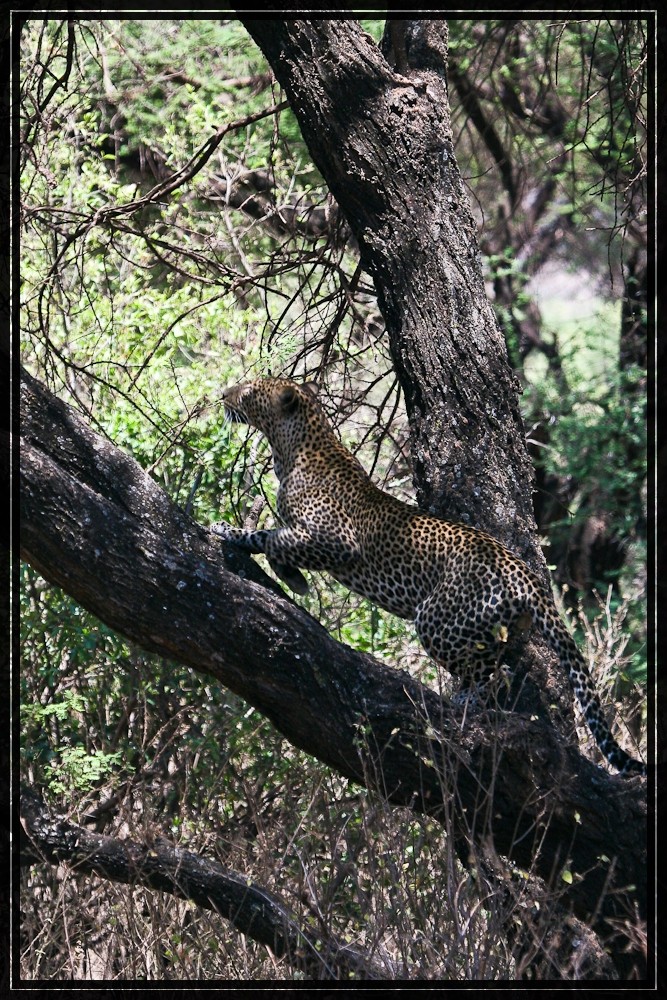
[383, 143]
[95, 524]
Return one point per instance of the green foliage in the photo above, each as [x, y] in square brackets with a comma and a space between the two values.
[597, 429]
[161, 70]
[78, 771]
[596, 415]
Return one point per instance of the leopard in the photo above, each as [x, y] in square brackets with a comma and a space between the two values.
[465, 592]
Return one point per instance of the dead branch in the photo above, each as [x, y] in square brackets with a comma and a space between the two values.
[249, 907]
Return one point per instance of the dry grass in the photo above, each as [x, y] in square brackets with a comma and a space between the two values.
[214, 777]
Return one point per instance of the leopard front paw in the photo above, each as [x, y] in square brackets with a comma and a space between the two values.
[224, 530]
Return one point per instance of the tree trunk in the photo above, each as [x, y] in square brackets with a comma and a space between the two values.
[96, 525]
[383, 144]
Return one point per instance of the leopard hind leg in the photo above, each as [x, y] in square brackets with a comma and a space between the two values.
[468, 643]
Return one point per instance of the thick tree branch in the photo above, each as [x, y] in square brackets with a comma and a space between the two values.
[96, 525]
[250, 908]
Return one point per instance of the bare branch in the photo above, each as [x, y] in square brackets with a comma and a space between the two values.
[189, 169]
[485, 128]
[250, 908]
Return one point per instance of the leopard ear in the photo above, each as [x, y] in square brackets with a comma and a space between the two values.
[288, 399]
[312, 388]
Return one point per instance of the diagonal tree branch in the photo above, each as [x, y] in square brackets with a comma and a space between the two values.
[185, 173]
[250, 908]
[95, 524]
[486, 129]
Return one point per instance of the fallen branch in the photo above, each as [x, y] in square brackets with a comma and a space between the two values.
[251, 909]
